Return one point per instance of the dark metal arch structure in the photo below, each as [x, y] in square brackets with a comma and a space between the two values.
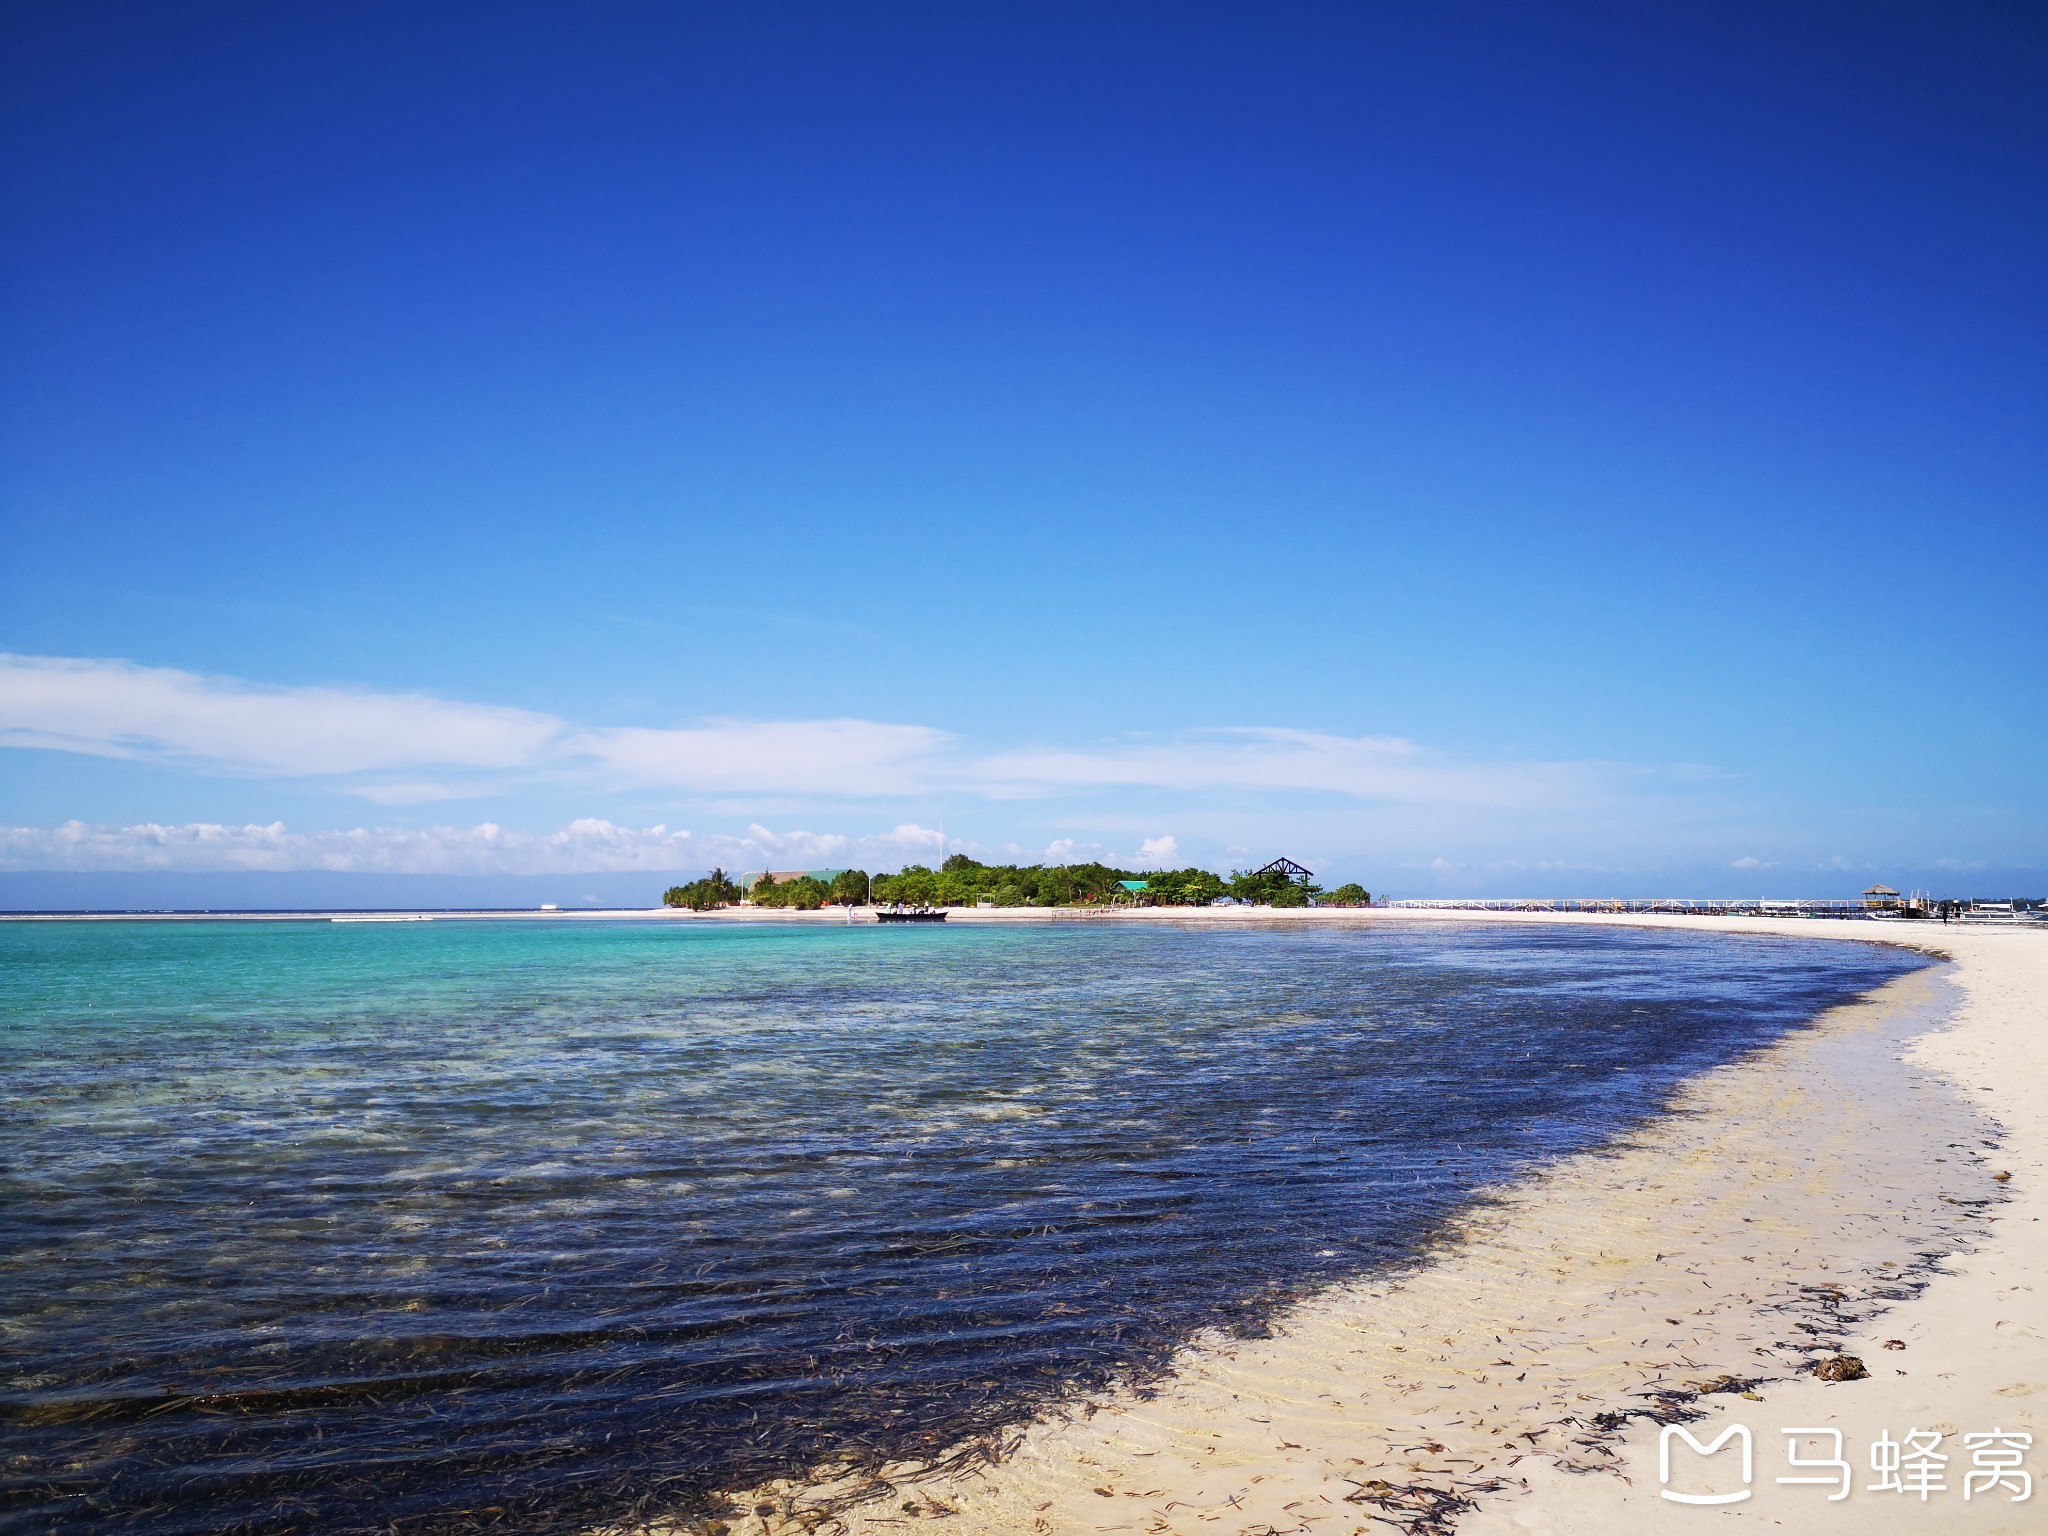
[1287, 867]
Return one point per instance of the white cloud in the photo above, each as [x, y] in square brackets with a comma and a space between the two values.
[117, 709]
[416, 792]
[1378, 768]
[1158, 852]
[413, 748]
[1246, 788]
[1749, 863]
[387, 747]
[586, 845]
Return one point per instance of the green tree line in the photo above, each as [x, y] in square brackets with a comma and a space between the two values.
[714, 890]
[964, 882]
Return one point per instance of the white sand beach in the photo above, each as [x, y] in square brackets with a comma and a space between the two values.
[1870, 1187]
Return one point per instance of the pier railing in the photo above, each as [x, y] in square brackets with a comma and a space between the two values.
[1735, 908]
[1757, 907]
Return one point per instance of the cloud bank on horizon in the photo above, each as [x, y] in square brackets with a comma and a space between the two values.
[400, 749]
[586, 845]
[393, 748]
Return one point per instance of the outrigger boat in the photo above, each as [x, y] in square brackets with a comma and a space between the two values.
[911, 915]
[2001, 912]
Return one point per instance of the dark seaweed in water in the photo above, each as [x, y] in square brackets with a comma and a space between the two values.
[306, 1226]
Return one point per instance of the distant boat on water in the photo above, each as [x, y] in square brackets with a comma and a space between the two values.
[911, 915]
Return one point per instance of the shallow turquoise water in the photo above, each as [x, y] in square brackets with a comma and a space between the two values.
[306, 1225]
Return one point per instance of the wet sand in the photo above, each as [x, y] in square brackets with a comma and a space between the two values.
[1822, 1197]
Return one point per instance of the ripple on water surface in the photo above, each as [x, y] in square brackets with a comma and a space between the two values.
[305, 1225]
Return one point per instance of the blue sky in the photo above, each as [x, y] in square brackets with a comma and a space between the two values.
[1505, 449]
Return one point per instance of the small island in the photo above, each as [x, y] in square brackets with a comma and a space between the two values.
[966, 882]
